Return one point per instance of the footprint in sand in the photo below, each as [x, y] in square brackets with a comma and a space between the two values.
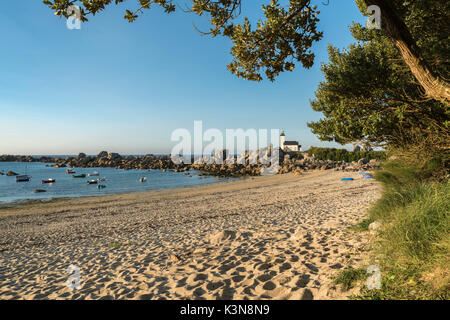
[214, 285]
[311, 267]
[199, 292]
[267, 276]
[285, 266]
[269, 285]
[201, 277]
[303, 281]
[238, 278]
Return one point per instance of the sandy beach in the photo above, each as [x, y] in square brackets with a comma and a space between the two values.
[271, 237]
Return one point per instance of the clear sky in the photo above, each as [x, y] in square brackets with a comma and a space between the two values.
[125, 87]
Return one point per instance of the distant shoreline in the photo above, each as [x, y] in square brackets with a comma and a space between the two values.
[221, 164]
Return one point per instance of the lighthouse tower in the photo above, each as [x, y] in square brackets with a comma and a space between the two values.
[282, 140]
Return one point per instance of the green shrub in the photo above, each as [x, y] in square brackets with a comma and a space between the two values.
[363, 225]
[349, 276]
[413, 247]
[344, 155]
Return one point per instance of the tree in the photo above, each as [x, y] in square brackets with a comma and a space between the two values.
[396, 29]
[369, 94]
[283, 38]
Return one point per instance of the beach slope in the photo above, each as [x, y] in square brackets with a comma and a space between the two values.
[271, 237]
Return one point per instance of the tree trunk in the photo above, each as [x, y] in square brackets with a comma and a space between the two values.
[434, 86]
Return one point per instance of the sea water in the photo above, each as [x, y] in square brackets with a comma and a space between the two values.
[117, 181]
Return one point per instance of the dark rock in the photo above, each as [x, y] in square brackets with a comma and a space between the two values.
[114, 156]
[363, 161]
[102, 154]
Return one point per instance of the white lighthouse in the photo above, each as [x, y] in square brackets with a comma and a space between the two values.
[282, 140]
[288, 145]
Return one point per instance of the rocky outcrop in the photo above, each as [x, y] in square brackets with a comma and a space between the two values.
[102, 154]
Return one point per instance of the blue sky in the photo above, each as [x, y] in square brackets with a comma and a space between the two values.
[125, 87]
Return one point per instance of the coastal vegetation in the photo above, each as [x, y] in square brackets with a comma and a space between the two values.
[369, 95]
[344, 155]
[413, 246]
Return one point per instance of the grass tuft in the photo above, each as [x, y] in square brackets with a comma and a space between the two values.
[413, 246]
[349, 276]
[362, 226]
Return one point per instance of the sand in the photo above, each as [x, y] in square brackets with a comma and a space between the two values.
[271, 237]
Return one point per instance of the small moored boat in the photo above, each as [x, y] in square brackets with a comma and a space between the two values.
[92, 182]
[23, 178]
[79, 176]
[95, 173]
[143, 179]
[48, 181]
[68, 171]
[101, 186]
[39, 191]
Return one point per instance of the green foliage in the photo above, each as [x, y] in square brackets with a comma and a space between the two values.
[349, 276]
[370, 95]
[274, 45]
[417, 215]
[362, 226]
[402, 284]
[285, 37]
[399, 173]
[414, 243]
[344, 155]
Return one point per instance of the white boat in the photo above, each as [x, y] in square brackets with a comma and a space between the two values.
[143, 179]
[95, 173]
